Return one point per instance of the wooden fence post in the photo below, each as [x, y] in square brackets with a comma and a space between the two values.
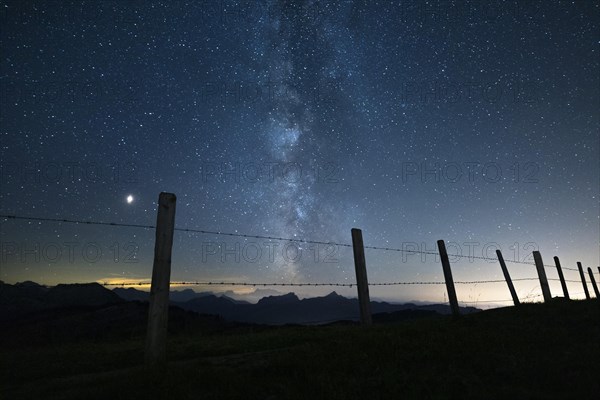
[582, 276]
[539, 265]
[362, 282]
[562, 277]
[448, 278]
[511, 288]
[593, 283]
[158, 313]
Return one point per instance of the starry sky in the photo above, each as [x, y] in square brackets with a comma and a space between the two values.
[469, 121]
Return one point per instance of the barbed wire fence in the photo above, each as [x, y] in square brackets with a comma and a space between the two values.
[156, 335]
[303, 241]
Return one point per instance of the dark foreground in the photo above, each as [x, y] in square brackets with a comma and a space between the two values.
[535, 352]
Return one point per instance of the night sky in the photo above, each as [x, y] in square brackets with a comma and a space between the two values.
[473, 122]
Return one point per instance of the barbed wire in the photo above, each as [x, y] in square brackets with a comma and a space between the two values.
[493, 281]
[299, 240]
[567, 268]
[257, 284]
[210, 283]
[485, 301]
[214, 283]
[74, 221]
[502, 301]
[241, 235]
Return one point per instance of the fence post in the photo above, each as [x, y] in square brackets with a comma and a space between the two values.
[539, 265]
[158, 313]
[511, 288]
[562, 277]
[448, 278]
[362, 282]
[582, 276]
[593, 283]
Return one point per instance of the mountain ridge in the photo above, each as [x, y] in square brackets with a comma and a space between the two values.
[26, 297]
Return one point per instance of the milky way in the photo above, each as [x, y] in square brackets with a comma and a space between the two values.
[473, 122]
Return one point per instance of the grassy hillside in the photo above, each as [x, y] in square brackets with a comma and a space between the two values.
[535, 352]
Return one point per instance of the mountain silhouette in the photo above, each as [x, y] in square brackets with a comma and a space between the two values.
[72, 312]
[31, 289]
[20, 298]
[85, 294]
[29, 298]
[276, 300]
[289, 309]
[131, 294]
[252, 297]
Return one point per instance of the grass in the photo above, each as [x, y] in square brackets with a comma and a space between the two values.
[539, 351]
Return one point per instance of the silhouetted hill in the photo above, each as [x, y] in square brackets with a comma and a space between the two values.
[184, 295]
[85, 294]
[252, 297]
[30, 298]
[188, 294]
[278, 300]
[217, 305]
[28, 289]
[31, 289]
[131, 294]
[72, 312]
[289, 309]
[178, 296]
[20, 298]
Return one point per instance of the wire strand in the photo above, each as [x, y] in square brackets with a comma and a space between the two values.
[220, 233]
[225, 283]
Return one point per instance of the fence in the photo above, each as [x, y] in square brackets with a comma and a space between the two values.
[160, 283]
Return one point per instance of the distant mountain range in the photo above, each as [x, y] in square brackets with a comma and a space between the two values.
[29, 297]
[25, 297]
[289, 308]
[188, 294]
[35, 314]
